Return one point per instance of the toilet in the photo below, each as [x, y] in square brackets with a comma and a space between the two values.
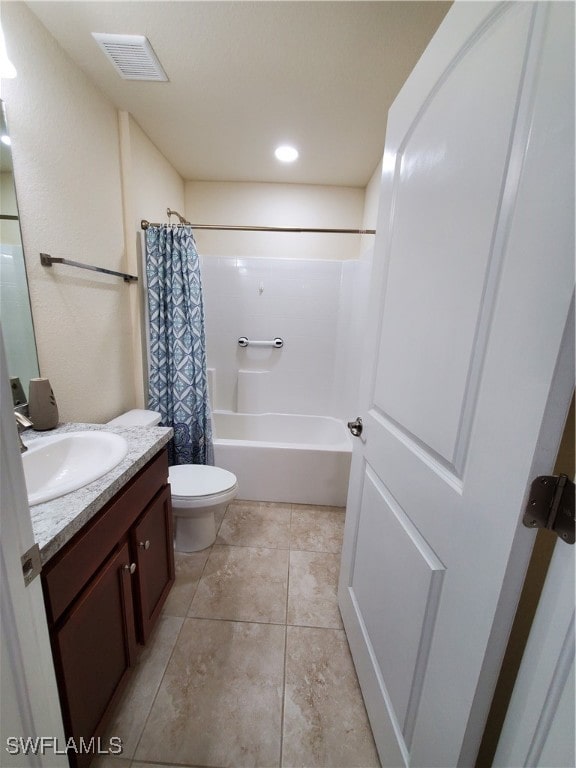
[198, 491]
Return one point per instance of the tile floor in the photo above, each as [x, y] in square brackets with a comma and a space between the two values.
[249, 664]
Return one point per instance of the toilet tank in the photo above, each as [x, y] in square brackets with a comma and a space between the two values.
[138, 417]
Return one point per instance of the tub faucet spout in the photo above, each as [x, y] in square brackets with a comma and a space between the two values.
[22, 423]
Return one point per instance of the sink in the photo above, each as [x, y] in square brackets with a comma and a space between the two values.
[54, 466]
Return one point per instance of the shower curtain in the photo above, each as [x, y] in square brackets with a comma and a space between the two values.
[177, 386]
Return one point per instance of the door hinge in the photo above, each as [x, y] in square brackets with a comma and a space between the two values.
[31, 564]
[551, 505]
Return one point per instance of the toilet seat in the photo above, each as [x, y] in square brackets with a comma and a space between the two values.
[200, 485]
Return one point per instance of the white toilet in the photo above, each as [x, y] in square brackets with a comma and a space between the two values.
[198, 491]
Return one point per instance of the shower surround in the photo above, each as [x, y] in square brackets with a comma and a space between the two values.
[316, 306]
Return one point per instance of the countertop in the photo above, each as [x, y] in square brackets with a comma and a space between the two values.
[55, 522]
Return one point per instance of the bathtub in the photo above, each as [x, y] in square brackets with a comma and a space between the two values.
[284, 457]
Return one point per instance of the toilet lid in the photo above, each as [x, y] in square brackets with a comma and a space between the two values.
[199, 480]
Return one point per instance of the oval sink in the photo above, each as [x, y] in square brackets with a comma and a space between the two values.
[54, 466]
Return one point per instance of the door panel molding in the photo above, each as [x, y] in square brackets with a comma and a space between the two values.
[428, 270]
[438, 464]
[409, 584]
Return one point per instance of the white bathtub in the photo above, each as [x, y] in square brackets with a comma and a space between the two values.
[284, 457]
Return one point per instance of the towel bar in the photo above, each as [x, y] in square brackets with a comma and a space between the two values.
[46, 260]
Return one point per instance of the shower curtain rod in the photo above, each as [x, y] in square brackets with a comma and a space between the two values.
[145, 224]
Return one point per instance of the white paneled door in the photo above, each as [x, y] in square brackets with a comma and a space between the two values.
[29, 706]
[469, 370]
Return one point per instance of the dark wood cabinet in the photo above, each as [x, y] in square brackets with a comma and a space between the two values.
[152, 543]
[103, 592]
[96, 645]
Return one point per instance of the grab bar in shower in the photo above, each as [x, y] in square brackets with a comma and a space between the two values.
[46, 260]
[244, 342]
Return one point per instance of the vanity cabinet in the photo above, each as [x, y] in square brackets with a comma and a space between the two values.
[153, 547]
[96, 644]
[103, 592]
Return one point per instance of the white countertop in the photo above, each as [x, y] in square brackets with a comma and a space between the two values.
[55, 522]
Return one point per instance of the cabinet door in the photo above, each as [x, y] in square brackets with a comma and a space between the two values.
[153, 544]
[94, 648]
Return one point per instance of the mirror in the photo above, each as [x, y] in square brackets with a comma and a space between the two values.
[15, 311]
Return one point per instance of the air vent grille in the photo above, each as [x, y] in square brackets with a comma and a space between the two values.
[132, 56]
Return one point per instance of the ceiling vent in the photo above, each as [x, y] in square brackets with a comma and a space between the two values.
[132, 56]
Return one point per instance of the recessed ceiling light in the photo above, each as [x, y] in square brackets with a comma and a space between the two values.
[5, 139]
[286, 154]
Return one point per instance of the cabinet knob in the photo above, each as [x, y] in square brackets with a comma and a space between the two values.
[144, 544]
[131, 567]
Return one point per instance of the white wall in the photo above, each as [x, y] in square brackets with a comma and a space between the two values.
[353, 309]
[275, 205]
[66, 164]
[371, 202]
[156, 186]
[150, 186]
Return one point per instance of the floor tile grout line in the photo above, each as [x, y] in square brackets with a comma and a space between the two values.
[168, 663]
[273, 549]
[164, 764]
[283, 703]
[252, 546]
[156, 693]
[198, 583]
[288, 577]
[283, 706]
[204, 566]
[260, 623]
[237, 621]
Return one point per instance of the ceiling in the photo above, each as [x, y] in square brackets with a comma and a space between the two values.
[247, 76]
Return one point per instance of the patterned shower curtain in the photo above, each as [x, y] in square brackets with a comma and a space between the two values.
[177, 386]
